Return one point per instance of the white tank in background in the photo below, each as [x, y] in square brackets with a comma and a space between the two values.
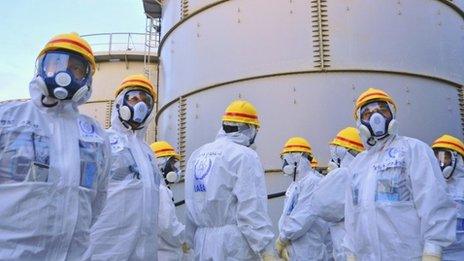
[303, 64]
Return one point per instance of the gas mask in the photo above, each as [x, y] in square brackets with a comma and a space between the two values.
[249, 130]
[64, 75]
[376, 121]
[448, 160]
[338, 155]
[170, 168]
[291, 161]
[136, 107]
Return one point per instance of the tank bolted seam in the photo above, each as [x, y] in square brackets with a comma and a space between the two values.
[184, 9]
[319, 20]
[109, 107]
[182, 130]
[461, 106]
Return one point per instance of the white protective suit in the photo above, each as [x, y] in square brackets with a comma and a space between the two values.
[396, 202]
[305, 232]
[456, 191]
[328, 202]
[171, 231]
[328, 245]
[127, 226]
[226, 200]
[335, 183]
[53, 176]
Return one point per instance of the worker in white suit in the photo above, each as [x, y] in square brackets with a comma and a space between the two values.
[127, 229]
[396, 204]
[449, 151]
[225, 193]
[53, 160]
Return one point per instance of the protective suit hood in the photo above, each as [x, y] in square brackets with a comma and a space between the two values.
[303, 168]
[116, 123]
[235, 137]
[337, 160]
[61, 105]
[459, 171]
[379, 143]
[347, 159]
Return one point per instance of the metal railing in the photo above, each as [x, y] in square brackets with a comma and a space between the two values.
[269, 196]
[119, 42]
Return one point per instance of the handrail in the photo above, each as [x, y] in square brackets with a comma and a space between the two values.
[126, 42]
[270, 196]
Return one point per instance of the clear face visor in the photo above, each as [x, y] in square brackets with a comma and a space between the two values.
[133, 97]
[377, 106]
[445, 158]
[58, 61]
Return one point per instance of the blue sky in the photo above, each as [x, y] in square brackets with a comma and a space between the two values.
[27, 25]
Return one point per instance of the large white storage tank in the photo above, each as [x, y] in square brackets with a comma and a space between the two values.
[302, 64]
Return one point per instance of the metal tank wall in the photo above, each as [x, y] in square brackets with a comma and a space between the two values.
[458, 3]
[303, 64]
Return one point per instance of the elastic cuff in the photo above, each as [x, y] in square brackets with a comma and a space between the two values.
[350, 257]
[284, 241]
[264, 253]
[268, 249]
[432, 249]
[282, 238]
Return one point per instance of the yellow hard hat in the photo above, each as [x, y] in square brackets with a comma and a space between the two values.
[297, 144]
[348, 138]
[314, 163]
[241, 111]
[449, 142]
[137, 81]
[164, 149]
[71, 42]
[371, 95]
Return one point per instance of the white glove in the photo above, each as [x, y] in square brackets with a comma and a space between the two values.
[281, 248]
[185, 248]
[430, 258]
